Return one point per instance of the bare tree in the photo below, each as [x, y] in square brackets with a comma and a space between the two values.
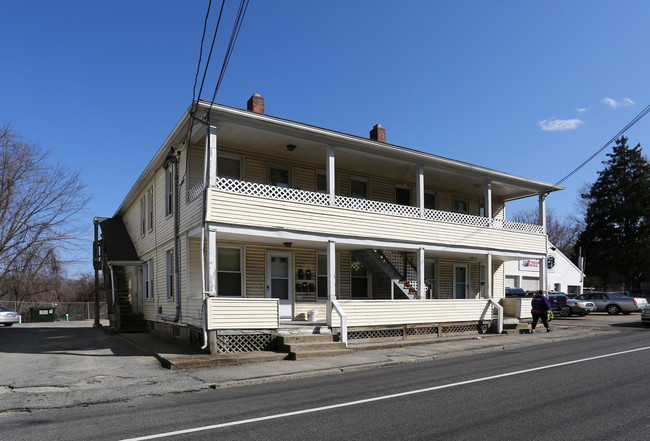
[40, 204]
[562, 232]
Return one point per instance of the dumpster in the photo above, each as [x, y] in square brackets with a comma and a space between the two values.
[42, 314]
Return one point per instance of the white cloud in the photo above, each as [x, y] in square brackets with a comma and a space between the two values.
[582, 109]
[559, 125]
[616, 104]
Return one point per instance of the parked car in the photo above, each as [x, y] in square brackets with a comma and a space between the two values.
[564, 306]
[7, 317]
[645, 315]
[613, 302]
[515, 292]
[559, 304]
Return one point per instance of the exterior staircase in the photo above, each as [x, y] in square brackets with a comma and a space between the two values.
[126, 321]
[393, 269]
[301, 346]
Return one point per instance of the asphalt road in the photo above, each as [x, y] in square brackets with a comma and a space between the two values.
[594, 388]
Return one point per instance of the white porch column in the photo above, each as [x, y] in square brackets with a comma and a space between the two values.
[331, 175]
[211, 152]
[488, 202]
[420, 190]
[422, 288]
[331, 278]
[211, 287]
[488, 277]
[542, 211]
[542, 273]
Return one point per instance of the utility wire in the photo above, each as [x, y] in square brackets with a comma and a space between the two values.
[635, 120]
[243, 6]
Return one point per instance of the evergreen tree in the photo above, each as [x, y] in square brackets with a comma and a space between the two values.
[616, 238]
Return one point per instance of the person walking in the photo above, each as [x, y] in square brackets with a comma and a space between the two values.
[540, 307]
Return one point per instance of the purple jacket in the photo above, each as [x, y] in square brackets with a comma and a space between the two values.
[540, 303]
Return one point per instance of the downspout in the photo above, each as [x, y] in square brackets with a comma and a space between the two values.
[204, 207]
[172, 159]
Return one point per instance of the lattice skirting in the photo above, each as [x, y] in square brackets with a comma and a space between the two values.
[410, 331]
[243, 343]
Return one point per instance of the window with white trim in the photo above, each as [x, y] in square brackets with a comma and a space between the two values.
[429, 200]
[150, 209]
[358, 188]
[461, 206]
[430, 278]
[143, 215]
[229, 166]
[169, 192]
[147, 279]
[170, 273]
[278, 176]
[229, 272]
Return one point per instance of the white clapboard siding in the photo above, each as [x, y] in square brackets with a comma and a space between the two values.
[516, 307]
[402, 312]
[227, 313]
[236, 209]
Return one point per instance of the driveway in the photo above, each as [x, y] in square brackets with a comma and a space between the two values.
[61, 364]
[601, 320]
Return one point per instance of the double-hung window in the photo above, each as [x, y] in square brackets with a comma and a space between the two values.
[169, 192]
[143, 215]
[147, 279]
[461, 206]
[229, 271]
[359, 283]
[170, 274]
[150, 209]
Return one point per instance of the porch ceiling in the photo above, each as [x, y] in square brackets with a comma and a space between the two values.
[377, 158]
[280, 238]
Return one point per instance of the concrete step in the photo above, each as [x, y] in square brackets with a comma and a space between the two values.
[305, 338]
[316, 353]
[306, 347]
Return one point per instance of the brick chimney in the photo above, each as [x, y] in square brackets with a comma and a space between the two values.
[256, 104]
[378, 133]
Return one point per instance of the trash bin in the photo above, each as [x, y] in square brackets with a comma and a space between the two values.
[42, 314]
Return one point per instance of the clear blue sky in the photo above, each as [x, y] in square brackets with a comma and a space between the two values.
[101, 84]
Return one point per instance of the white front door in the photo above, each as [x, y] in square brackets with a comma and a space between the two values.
[460, 281]
[279, 280]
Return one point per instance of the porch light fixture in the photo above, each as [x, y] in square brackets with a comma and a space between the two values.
[291, 147]
[287, 244]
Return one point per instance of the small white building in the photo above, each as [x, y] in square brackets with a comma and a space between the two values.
[562, 274]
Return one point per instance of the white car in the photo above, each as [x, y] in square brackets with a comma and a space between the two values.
[645, 315]
[7, 317]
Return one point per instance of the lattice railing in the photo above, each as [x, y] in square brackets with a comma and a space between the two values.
[518, 226]
[195, 192]
[272, 191]
[457, 218]
[377, 206]
[315, 198]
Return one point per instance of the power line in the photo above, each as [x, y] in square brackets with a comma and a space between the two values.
[635, 120]
[241, 12]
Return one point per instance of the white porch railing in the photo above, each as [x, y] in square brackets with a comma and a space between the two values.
[315, 198]
[402, 312]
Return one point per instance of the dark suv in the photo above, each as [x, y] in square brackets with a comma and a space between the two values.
[515, 292]
[559, 304]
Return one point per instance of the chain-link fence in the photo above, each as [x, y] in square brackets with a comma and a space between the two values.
[45, 311]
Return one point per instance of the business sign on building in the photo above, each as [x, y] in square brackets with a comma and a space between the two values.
[533, 264]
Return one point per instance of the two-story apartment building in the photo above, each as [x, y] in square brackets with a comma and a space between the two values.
[243, 221]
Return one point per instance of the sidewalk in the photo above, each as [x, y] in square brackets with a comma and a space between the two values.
[220, 371]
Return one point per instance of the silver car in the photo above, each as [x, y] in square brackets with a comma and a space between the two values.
[614, 303]
[7, 317]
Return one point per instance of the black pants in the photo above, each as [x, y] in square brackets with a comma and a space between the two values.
[540, 315]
